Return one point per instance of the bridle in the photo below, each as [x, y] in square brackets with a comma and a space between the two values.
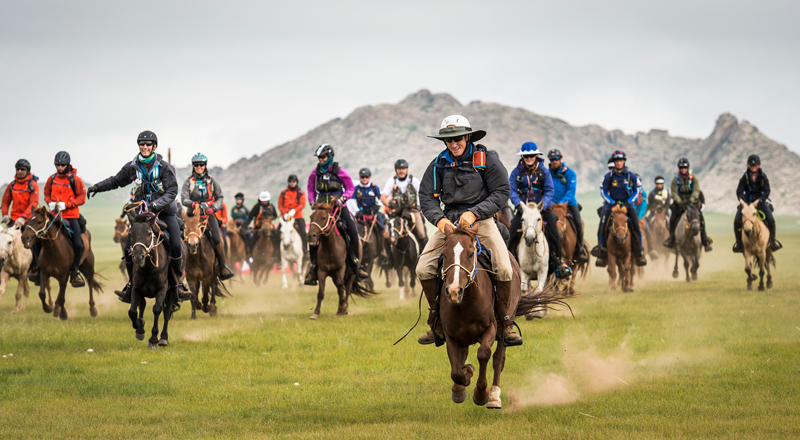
[202, 227]
[42, 233]
[330, 221]
[614, 230]
[148, 249]
[536, 237]
[470, 273]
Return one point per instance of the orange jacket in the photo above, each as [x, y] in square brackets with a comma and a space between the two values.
[58, 189]
[292, 199]
[222, 215]
[23, 197]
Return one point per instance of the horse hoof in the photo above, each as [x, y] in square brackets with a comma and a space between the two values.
[163, 343]
[194, 316]
[694, 277]
[341, 312]
[314, 316]
[63, 315]
[460, 397]
[140, 336]
[152, 346]
[674, 274]
[494, 399]
[769, 284]
[212, 312]
[205, 308]
[47, 309]
[480, 401]
[93, 312]
[628, 290]
[761, 288]
[749, 287]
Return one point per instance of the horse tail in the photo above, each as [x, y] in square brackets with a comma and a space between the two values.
[222, 290]
[545, 299]
[361, 291]
[94, 284]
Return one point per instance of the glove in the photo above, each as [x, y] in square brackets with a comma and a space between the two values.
[152, 207]
[467, 219]
[343, 199]
[52, 206]
[20, 222]
[291, 213]
[62, 206]
[6, 219]
[91, 191]
[443, 223]
[209, 212]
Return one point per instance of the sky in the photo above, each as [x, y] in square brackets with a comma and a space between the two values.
[233, 79]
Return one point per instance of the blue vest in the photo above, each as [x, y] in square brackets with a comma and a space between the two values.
[367, 197]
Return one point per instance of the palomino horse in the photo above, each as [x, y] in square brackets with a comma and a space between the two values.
[659, 232]
[121, 230]
[687, 241]
[755, 238]
[263, 250]
[150, 278]
[291, 253]
[237, 249]
[370, 247]
[619, 250]
[332, 258]
[15, 261]
[569, 239]
[55, 259]
[534, 253]
[405, 250]
[201, 264]
[468, 315]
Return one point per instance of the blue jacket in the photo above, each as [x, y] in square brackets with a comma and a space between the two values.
[531, 187]
[641, 204]
[367, 197]
[620, 186]
[564, 192]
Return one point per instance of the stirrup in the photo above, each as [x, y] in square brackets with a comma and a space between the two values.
[563, 272]
[311, 276]
[76, 280]
[502, 336]
[738, 248]
[776, 245]
[601, 262]
[124, 295]
[182, 292]
[225, 273]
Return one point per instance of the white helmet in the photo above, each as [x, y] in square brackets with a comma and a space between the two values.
[264, 196]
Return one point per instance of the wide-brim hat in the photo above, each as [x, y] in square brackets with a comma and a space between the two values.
[455, 126]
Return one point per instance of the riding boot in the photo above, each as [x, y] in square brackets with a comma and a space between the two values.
[638, 253]
[125, 294]
[601, 253]
[669, 243]
[504, 321]
[429, 289]
[75, 278]
[361, 274]
[706, 240]
[181, 291]
[33, 270]
[774, 244]
[224, 272]
[311, 276]
[738, 247]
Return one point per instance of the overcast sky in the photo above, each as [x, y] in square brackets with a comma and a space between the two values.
[233, 79]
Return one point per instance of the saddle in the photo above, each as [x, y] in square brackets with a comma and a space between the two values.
[68, 232]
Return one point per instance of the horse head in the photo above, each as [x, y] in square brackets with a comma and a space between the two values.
[120, 230]
[8, 237]
[459, 255]
[560, 210]
[619, 223]
[36, 226]
[692, 220]
[287, 229]
[749, 217]
[532, 223]
[397, 229]
[143, 238]
[195, 228]
[321, 222]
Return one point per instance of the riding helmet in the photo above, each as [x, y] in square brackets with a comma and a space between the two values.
[264, 196]
[659, 179]
[683, 163]
[611, 163]
[147, 135]
[62, 158]
[292, 178]
[324, 150]
[199, 158]
[239, 196]
[401, 163]
[754, 160]
[364, 172]
[619, 154]
[529, 149]
[23, 163]
[554, 154]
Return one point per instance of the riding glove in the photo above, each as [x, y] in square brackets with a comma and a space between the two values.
[62, 206]
[443, 223]
[467, 219]
[52, 206]
[91, 191]
[20, 222]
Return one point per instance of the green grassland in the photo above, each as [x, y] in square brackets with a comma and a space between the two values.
[671, 360]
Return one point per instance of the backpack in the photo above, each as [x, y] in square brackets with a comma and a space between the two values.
[478, 160]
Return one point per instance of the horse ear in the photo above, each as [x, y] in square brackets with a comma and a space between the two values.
[523, 207]
[540, 204]
[741, 202]
[448, 229]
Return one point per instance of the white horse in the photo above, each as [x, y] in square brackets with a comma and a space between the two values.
[15, 260]
[533, 253]
[291, 252]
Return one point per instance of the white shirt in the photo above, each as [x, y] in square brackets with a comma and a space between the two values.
[401, 185]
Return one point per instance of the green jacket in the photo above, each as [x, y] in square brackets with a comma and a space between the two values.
[685, 189]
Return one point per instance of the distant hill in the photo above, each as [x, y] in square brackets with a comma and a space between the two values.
[375, 136]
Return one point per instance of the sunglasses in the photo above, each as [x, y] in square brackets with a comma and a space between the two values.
[683, 168]
[323, 158]
[529, 156]
[198, 165]
[454, 139]
[22, 169]
[148, 143]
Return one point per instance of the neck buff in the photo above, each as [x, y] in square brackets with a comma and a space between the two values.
[325, 165]
[401, 179]
[147, 160]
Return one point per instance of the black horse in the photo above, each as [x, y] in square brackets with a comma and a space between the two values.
[405, 250]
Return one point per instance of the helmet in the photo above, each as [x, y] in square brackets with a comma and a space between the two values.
[659, 179]
[23, 163]
[147, 135]
[264, 196]
[529, 149]
[554, 154]
[611, 163]
[199, 158]
[753, 160]
[62, 158]
[324, 150]
[292, 178]
[401, 163]
[619, 154]
[364, 172]
[683, 163]
[239, 196]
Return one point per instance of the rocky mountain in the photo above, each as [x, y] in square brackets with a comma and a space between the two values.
[375, 136]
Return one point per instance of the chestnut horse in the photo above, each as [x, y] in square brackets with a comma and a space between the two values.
[121, 230]
[201, 264]
[755, 238]
[569, 239]
[659, 232]
[688, 242]
[619, 250]
[237, 250]
[55, 259]
[263, 250]
[332, 258]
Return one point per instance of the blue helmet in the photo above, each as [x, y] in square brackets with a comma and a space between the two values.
[529, 149]
[199, 158]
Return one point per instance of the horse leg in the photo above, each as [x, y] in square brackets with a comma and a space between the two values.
[412, 269]
[459, 372]
[339, 282]
[90, 283]
[60, 311]
[748, 268]
[158, 307]
[44, 293]
[284, 269]
[498, 363]
[695, 266]
[612, 272]
[164, 340]
[675, 272]
[320, 292]
[136, 321]
[212, 309]
[26, 290]
[761, 259]
[194, 300]
[480, 394]
[631, 274]
[686, 268]
[766, 265]
[400, 281]
[205, 296]
[3, 283]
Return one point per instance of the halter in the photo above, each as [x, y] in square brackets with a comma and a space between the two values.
[403, 230]
[368, 235]
[41, 233]
[124, 233]
[614, 229]
[330, 222]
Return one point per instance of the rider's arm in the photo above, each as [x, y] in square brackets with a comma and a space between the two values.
[741, 190]
[186, 198]
[281, 206]
[170, 183]
[513, 187]
[7, 199]
[549, 190]
[496, 180]
[124, 177]
[311, 186]
[252, 214]
[47, 188]
[637, 188]
[765, 193]
[301, 204]
[676, 197]
[386, 196]
[605, 186]
[695, 190]
[80, 194]
[33, 203]
[347, 183]
[429, 204]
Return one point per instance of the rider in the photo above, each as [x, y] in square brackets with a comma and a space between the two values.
[620, 186]
[156, 187]
[564, 187]
[65, 192]
[368, 196]
[472, 186]
[658, 198]
[685, 189]
[754, 186]
[400, 194]
[22, 196]
[291, 203]
[239, 213]
[262, 209]
[332, 185]
[531, 182]
[202, 190]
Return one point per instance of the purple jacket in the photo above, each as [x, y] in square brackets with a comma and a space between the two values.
[343, 175]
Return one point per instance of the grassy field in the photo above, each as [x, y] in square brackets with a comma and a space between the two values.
[708, 359]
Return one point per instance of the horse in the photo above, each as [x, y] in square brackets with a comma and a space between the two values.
[755, 238]
[150, 277]
[688, 241]
[569, 238]
[201, 264]
[619, 250]
[55, 259]
[534, 254]
[121, 230]
[237, 249]
[405, 250]
[332, 258]
[263, 250]
[370, 248]
[291, 252]
[15, 261]
[466, 308]
[659, 232]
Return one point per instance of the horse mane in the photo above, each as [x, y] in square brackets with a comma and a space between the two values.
[471, 231]
[322, 206]
[619, 208]
[142, 218]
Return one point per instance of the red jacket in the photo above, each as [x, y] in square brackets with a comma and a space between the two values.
[292, 199]
[58, 189]
[23, 196]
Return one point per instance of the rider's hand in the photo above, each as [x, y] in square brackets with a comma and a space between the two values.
[343, 200]
[443, 223]
[20, 222]
[6, 219]
[52, 206]
[291, 213]
[62, 206]
[467, 218]
[209, 212]
[91, 191]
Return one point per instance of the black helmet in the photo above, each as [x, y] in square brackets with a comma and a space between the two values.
[324, 150]
[683, 163]
[401, 163]
[239, 196]
[554, 154]
[610, 163]
[62, 158]
[754, 160]
[659, 179]
[147, 135]
[364, 172]
[292, 178]
[619, 154]
[23, 163]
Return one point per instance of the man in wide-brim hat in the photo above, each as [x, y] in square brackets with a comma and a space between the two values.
[472, 185]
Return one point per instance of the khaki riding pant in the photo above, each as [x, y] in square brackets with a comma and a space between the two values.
[490, 237]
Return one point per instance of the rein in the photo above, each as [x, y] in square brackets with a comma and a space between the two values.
[368, 235]
[202, 227]
[149, 249]
[42, 233]
[330, 222]
[614, 230]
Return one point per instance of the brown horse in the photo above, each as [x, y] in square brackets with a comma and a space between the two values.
[332, 258]
[237, 250]
[404, 249]
[120, 235]
[569, 239]
[55, 259]
[619, 250]
[468, 315]
[370, 248]
[659, 232]
[201, 264]
[263, 250]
